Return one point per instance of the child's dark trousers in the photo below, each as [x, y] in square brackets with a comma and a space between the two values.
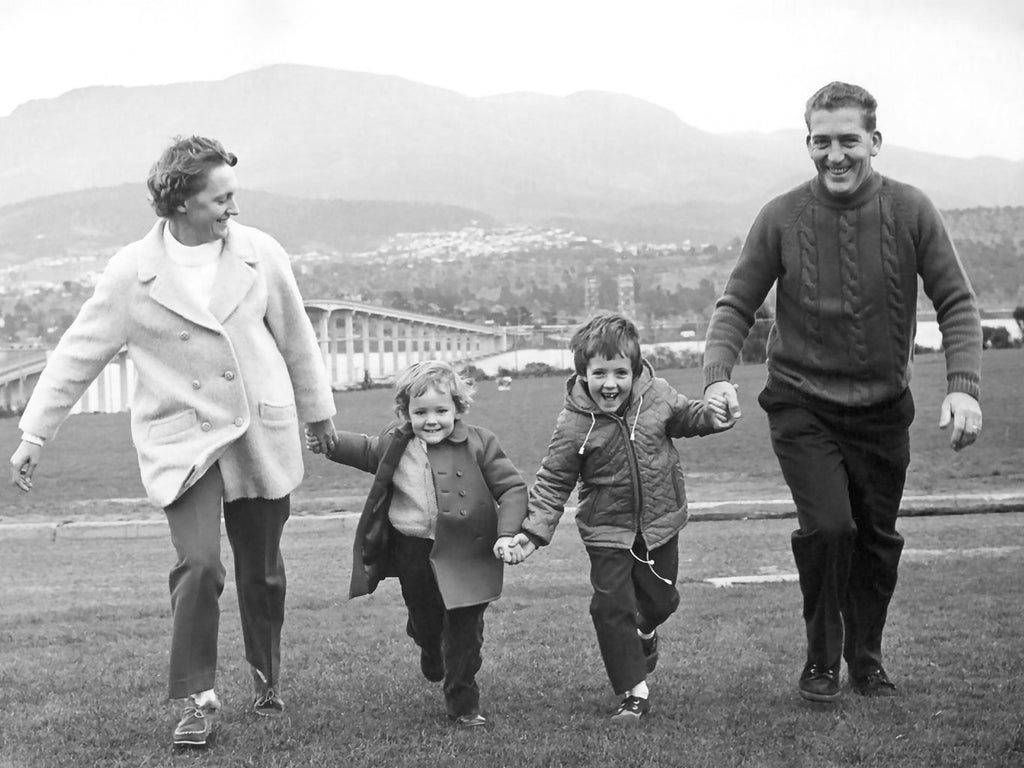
[631, 593]
[457, 635]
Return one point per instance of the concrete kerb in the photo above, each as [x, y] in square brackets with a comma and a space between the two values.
[338, 520]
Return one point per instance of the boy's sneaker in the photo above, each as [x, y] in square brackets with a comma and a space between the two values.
[268, 704]
[819, 683]
[196, 724]
[631, 709]
[875, 683]
[468, 722]
[432, 664]
[650, 651]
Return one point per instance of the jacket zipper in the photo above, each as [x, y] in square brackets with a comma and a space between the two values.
[634, 470]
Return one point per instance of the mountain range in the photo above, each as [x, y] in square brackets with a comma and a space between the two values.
[605, 164]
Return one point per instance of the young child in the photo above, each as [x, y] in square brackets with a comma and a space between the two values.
[614, 435]
[442, 493]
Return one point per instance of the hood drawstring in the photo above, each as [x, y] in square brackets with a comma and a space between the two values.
[593, 422]
[632, 432]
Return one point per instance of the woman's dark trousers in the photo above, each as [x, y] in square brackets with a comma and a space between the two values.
[254, 528]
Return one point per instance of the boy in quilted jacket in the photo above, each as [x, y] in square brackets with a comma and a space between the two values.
[614, 435]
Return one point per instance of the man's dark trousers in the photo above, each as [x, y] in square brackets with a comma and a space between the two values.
[846, 468]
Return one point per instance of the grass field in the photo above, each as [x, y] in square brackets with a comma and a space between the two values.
[85, 623]
[83, 655]
[90, 470]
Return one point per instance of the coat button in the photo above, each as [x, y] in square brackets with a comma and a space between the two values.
[458, 473]
[196, 384]
[462, 493]
[239, 421]
[183, 335]
[462, 512]
[229, 375]
[206, 426]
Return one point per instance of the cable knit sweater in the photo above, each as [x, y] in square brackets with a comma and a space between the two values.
[846, 298]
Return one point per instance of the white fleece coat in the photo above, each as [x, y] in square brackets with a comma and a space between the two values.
[226, 384]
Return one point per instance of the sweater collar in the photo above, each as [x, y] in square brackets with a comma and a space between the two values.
[865, 192]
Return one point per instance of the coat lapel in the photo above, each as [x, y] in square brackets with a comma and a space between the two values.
[163, 288]
[235, 275]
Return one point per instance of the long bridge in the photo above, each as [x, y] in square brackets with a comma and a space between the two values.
[359, 343]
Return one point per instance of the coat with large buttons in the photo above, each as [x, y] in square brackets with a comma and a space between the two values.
[480, 496]
[226, 384]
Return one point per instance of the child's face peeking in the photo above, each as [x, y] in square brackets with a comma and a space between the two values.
[609, 381]
[432, 415]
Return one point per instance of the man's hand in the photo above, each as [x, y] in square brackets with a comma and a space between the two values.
[964, 413]
[23, 463]
[320, 436]
[723, 392]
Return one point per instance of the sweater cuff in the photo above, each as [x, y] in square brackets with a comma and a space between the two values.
[28, 437]
[967, 383]
[716, 372]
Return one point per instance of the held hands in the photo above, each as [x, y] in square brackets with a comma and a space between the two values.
[722, 405]
[23, 463]
[512, 550]
[321, 437]
[964, 413]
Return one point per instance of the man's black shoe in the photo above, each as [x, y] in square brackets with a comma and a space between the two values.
[819, 683]
[875, 683]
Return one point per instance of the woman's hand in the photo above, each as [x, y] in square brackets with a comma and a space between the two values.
[23, 463]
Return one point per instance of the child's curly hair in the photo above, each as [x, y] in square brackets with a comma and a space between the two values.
[609, 335]
[181, 171]
[431, 374]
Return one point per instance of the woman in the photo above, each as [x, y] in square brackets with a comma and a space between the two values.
[226, 363]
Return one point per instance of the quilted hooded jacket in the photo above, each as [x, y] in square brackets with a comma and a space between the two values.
[630, 478]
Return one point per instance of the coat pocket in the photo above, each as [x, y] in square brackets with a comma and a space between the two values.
[277, 415]
[169, 426]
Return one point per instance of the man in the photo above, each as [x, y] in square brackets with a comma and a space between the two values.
[844, 251]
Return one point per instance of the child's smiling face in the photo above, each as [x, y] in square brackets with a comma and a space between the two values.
[609, 382]
[432, 415]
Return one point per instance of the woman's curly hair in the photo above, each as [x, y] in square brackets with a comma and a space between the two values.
[181, 171]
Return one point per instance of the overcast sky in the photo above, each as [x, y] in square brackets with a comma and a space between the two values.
[948, 74]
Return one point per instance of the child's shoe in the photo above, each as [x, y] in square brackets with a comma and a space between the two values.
[650, 646]
[631, 709]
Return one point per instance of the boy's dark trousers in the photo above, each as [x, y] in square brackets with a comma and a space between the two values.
[846, 469]
[456, 634]
[254, 528]
[629, 595]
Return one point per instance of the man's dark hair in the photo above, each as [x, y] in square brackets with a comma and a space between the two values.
[836, 95]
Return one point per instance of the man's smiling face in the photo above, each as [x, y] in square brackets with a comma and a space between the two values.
[841, 148]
